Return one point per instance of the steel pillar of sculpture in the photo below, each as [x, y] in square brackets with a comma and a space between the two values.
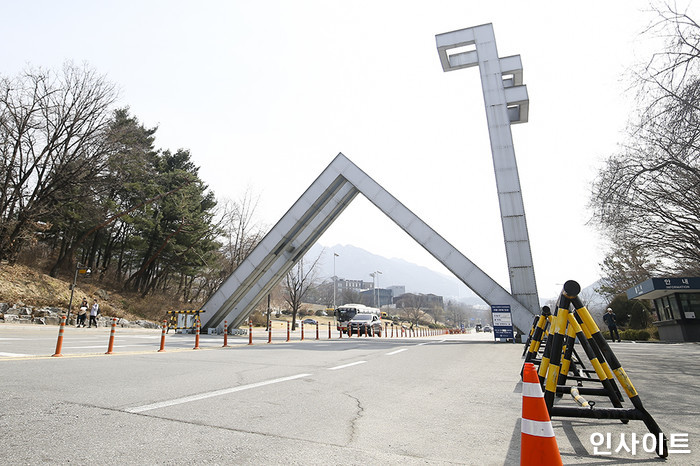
[506, 102]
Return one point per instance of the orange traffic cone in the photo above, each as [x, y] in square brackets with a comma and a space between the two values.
[538, 446]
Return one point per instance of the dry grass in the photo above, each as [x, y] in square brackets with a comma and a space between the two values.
[23, 284]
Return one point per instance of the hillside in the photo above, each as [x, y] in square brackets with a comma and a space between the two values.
[22, 284]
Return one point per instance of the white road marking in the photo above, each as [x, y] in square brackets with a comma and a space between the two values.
[346, 365]
[202, 396]
[397, 351]
[13, 355]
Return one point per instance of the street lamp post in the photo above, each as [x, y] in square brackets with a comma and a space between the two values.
[335, 279]
[375, 284]
[78, 269]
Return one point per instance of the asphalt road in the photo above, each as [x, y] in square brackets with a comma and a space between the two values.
[431, 400]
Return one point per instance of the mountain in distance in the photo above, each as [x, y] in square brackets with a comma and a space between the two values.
[356, 263]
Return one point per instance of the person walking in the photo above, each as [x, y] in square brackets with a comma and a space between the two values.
[82, 313]
[94, 312]
[611, 322]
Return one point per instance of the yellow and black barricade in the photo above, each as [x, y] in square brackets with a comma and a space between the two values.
[578, 325]
[174, 315]
[537, 333]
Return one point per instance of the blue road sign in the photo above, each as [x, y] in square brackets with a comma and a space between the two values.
[502, 322]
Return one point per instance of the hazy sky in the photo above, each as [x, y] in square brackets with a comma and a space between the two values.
[266, 93]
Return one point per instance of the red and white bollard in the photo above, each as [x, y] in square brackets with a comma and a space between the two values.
[250, 331]
[287, 330]
[59, 342]
[225, 334]
[110, 347]
[162, 337]
[317, 330]
[269, 332]
[302, 330]
[386, 333]
[196, 336]
[392, 330]
[329, 330]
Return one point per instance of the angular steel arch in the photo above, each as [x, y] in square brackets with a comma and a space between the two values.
[309, 218]
[506, 102]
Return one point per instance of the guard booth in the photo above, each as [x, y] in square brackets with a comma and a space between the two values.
[676, 306]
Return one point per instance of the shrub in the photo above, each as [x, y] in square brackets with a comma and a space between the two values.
[654, 333]
[632, 334]
[259, 319]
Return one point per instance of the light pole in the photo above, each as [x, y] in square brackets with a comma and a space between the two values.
[335, 279]
[78, 269]
[375, 284]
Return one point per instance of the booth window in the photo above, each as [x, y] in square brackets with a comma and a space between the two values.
[690, 302]
[667, 308]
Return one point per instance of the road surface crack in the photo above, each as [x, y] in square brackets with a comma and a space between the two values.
[353, 421]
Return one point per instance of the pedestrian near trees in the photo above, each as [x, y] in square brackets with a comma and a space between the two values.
[94, 312]
[611, 322]
[82, 313]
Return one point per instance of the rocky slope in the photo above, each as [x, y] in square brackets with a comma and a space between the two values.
[29, 296]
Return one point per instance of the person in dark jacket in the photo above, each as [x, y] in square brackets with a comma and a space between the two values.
[611, 322]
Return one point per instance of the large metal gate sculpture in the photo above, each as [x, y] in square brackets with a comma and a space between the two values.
[506, 102]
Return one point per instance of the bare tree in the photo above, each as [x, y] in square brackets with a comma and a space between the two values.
[456, 313]
[413, 307]
[350, 296]
[297, 283]
[239, 235]
[53, 144]
[435, 312]
[647, 196]
[240, 232]
[624, 267]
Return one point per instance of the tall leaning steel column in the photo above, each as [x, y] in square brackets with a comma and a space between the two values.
[506, 102]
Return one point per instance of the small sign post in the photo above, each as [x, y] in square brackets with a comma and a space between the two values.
[502, 323]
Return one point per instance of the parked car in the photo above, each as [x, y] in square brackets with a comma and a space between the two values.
[370, 323]
[309, 322]
[487, 329]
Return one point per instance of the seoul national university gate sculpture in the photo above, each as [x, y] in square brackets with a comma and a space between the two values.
[506, 101]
